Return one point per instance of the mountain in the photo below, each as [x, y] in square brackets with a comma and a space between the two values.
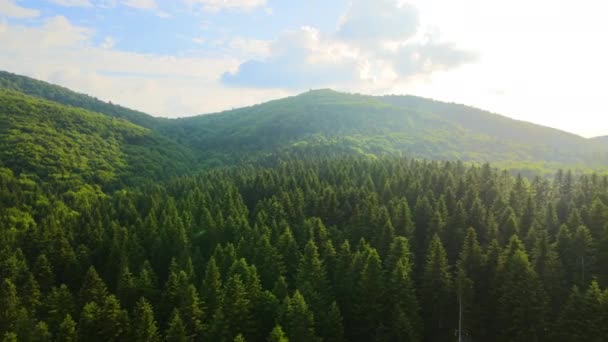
[67, 147]
[328, 123]
[67, 97]
[325, 121]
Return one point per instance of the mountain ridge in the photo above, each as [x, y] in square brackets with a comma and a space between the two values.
[329, 123]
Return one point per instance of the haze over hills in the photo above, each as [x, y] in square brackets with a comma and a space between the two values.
[318, 122]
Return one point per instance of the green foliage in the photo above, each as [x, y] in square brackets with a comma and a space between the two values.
[144, 325]
[306, 250]
[69, 147]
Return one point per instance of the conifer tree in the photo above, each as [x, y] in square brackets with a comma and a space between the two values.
[176, 332]
[10, 305]
[299, 320]
[371, 294]
[469, 282]
[436, 293]
[406, 322]
[312, 281]
[144, 325]
[211, 288]
[41, 332]
[67, 330]
[93, 288]
[234, 311]
[277, 335]
[43, 271]
[522, 301]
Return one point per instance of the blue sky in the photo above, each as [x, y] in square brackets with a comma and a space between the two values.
[541, 61]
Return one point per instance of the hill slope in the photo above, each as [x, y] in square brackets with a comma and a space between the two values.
[66, 146]
[325, 121]
[68, 97]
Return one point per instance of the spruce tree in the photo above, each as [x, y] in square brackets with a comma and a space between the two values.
[299, 320]
[277, 335]
[144, 327]
[10, 306]
[67, 330]
[522, 302]
[437, 298]
[176, 331]
[93, 288]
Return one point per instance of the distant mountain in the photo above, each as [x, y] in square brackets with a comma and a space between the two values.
[325, 121]
[316, 123]
[603, 139]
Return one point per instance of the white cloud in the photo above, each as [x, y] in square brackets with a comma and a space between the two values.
[372, 22]
[108, 43]
[9, 8]
[146, 5]
[250, 47]
[72, 3]
[219, 5]
[142, 4]
[62, 53]
[378, 44]
[299, 60]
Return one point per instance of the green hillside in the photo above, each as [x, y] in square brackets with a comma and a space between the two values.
[67, 146]
[328, 122]
[67, 97]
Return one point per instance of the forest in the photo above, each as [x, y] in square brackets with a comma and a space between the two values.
[325, 249]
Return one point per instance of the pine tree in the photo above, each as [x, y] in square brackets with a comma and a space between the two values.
[437, 296]
[371, 302]
[288, 248]
[144, 325]
[455, 231]
[277, 335]
[522, 302]
[191, 310]
[406, 322]
[571, 324]
[234, 312]
[108, 322]
[30, 294]
[268, 260]
[93, 289]
[280, 289]
[9, 306]
[67, 330]
[334, 330]
[547, 265]
[176, 332]
[299, 320]
[313, 284]
[126, 289]
[469, 282]
[582, 248]
[43, 271]
[211, 288]
[423, 213]
[41, 333]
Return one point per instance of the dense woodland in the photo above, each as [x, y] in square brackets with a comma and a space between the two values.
[321, 250]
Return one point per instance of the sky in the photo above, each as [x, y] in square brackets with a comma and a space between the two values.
[538, 61]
